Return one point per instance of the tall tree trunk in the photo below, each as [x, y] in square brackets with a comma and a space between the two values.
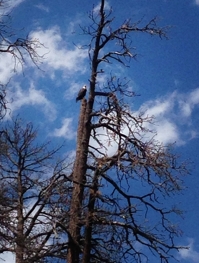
[89, 219]
[20, 222]
[80, 167]
[20, 243]
[79, 177]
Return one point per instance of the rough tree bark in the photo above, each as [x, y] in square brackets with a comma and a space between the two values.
[79, 174]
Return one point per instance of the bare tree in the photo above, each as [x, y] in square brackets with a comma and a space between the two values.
[16, 46]
[31, 196]
[118, 211]
[19, 48]
[3, 102]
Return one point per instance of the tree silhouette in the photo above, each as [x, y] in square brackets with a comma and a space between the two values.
[112, 205]
[121, 174]
[31, 196]
[18, 48]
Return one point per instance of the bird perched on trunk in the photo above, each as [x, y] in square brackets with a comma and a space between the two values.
[81, 93]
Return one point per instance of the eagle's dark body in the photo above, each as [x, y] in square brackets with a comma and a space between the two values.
[81, 93]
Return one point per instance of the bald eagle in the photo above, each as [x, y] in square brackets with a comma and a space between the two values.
[81, 93]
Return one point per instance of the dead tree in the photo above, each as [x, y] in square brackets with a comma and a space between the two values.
[19, 48]
[31, 197]
[79, 177]
[116, 195]
[10, 43]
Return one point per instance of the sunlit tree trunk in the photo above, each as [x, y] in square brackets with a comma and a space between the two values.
[80, 167]
[79, 177]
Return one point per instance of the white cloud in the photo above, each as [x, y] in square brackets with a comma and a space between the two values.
[167, 132]
[170, 113]
[42, 7]
[107, 146]
[8, 64]
[188, 102]
[7, 68]
[106, 7]
[14, 3]
[66, 130]
[171, 123]
[157, 108]
[7, 257]
[32, 97]
[185, 108]
[197, 2]
[194, 97]
[57, 55]
[165, 125]
[9, 5]
[190, 254]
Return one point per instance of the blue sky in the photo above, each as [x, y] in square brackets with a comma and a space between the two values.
[165, 74]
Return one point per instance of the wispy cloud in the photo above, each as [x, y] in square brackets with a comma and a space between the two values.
[189, 102]
[66, 131]
[106, 7]
[197, 2]
[162, 109]
[9, 5]
[31, 97]
[42, 7]
[190, 254]
[58, 56]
